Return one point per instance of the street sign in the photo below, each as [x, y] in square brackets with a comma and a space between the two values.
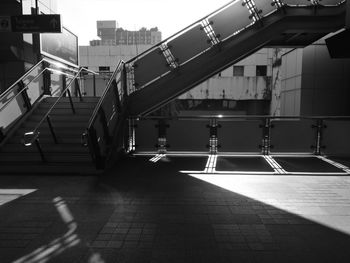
[31, 24]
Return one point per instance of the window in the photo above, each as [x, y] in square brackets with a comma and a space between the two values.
[238, 70]
[104, 68]
[261, 70]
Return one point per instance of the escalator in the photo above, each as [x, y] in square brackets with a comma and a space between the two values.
[221, 39]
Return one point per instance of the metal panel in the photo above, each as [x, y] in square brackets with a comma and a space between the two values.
[189, 44]
[146, 135]
[266, 6]
[240, 136]
[12, 111]
[293, 136]
[110, 108]
[150, 67]
[336, 137]
[297, 2]
[230, 20]
[330, 2]
[188, 135]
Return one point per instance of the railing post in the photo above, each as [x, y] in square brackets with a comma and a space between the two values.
[213, 136]
[319, 135]
[131, 140]
[266, 133]
[94, 84]
[103, 121]
[37, 143]
[162, 142]
[25, 96]
[51, 129]
[71, 101]
[77, 91]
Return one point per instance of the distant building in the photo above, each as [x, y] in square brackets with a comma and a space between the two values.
[112, 35]
[141, 37]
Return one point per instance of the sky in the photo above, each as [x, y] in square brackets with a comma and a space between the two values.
[170, 16]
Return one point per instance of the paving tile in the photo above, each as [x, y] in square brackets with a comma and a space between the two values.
[161, 215]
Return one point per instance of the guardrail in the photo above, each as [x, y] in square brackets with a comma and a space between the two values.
[104, 125]
[44, 78]
[207, 33]
[241, 134]
[32, 136]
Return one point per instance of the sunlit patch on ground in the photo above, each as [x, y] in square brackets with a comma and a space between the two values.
[8, 195]
[313, 198]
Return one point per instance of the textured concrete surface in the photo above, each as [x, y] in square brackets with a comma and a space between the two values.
[142, 211]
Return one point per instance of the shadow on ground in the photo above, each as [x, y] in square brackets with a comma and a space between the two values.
[150, 212]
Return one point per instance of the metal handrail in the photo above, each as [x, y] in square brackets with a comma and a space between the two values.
[94, 114]
[178, 33]
[206, 117]
[188, 27]
[35, 132]
[31, 70]
[31, 81]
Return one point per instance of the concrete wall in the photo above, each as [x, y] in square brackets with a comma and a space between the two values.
[325, 82]
[223, 86]
[291, 82]
[314, 84]
[246, 87]
[94, 57]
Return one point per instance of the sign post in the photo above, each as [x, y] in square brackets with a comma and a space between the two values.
[31, 24]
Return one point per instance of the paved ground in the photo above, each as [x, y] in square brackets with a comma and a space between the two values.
[152, 212]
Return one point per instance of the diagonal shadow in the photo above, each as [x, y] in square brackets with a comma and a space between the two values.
[150, 212]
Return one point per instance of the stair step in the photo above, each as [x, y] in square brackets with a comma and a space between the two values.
[72, 158]
[47, 168]
[66, 99]
[64, 111]
[61, 118]
[66, 105]
[47, 147]
[48, 139]
[58, 124]
[59, 131]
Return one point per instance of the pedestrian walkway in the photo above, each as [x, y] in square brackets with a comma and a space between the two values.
[166, 210]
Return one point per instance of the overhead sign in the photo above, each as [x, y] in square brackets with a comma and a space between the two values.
[31, 24]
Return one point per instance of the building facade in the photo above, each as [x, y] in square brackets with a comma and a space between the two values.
[19, 52]
[312, 83]
[112, 35]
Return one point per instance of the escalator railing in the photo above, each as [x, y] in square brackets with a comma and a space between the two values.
[104, 132]
[47, 77]
[205, 34]
[32, 137]
[214, 34]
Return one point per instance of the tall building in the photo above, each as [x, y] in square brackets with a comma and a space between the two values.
[140, 37]
[110, 34]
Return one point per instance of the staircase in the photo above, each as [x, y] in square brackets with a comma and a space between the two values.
[68, 156]
[221, 39]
